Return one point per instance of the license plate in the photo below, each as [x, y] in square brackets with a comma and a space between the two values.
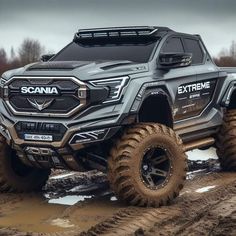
[38, 137]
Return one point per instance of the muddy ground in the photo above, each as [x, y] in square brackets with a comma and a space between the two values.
[82, 204]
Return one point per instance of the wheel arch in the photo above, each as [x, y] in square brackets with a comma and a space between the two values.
[156, 107]
[232, 99]
[229, 99]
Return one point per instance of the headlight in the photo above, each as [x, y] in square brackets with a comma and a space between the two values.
[2, 82]
[115, 86]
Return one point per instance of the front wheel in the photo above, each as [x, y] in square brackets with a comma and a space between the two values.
[147, 166]
[15, 176]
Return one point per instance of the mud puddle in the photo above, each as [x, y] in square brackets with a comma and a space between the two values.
[32, 213]
[69, 202]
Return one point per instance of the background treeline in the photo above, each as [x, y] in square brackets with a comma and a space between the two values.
[31, 50]
[227, 56]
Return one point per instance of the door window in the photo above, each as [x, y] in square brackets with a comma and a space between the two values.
[193, 46]
[173, 45]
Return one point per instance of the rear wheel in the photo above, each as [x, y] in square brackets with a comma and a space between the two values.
[17, 177]
[226, 142]
[147, 166]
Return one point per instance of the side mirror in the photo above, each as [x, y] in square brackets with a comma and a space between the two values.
[47, 57]
[174, 60]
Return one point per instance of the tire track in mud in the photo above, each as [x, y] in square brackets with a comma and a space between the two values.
[219, 219]
[175, 219]
[191, 213]
[130, 221]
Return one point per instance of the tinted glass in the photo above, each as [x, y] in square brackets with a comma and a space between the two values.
[135, 50]
[193, 46]
[173, 45]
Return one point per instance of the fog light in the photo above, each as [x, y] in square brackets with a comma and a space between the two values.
[90, 136]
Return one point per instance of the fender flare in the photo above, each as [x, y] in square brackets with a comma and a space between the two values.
[225, 101]
[148, 91]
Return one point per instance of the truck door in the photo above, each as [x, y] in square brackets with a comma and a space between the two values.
[201, 93]
[179, 82]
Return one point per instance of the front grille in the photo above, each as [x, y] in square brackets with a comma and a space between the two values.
[64, 102]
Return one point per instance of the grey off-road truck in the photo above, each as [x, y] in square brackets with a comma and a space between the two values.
[128, 101]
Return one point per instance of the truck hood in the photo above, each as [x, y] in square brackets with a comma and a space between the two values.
[83, 70]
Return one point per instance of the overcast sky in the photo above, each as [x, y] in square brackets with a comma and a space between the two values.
[54, 22]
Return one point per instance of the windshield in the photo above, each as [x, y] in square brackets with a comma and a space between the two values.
[134, 50]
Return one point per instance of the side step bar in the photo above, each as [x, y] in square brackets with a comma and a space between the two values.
[199, 143]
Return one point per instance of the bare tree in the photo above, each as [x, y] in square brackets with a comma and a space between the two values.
[225, 61]
[224, 52]
[3, 61]
[13, 55]
[232, 49]
[30, 51]
[227, 57]
[3, 56]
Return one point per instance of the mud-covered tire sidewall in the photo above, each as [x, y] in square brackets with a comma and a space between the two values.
[125, 163]
[10, 181]
[226, 142]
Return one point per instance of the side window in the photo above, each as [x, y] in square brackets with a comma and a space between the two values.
[193, 46]
[173, 45]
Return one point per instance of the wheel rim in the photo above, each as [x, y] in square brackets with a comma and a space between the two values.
[155, 167]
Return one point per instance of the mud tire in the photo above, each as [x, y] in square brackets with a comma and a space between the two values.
[226, 142]
[17, 177]
[125, 160]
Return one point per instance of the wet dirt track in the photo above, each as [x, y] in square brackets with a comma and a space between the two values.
[206, 206]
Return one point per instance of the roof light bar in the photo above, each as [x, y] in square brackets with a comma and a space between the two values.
[118, 32]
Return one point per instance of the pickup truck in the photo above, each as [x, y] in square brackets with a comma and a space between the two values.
[128, 101]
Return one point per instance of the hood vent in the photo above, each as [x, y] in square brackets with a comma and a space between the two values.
[56, 65]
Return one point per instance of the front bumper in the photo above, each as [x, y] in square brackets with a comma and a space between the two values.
[61, 151]
[28, 133]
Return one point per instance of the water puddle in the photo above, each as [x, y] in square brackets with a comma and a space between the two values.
[68, 204]
[69, 200]
[37, 214]
[192, 174]
[62, 223]
[113, 198]
[62, 176]
[31, 214]
[202, 155]
[204, 189]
